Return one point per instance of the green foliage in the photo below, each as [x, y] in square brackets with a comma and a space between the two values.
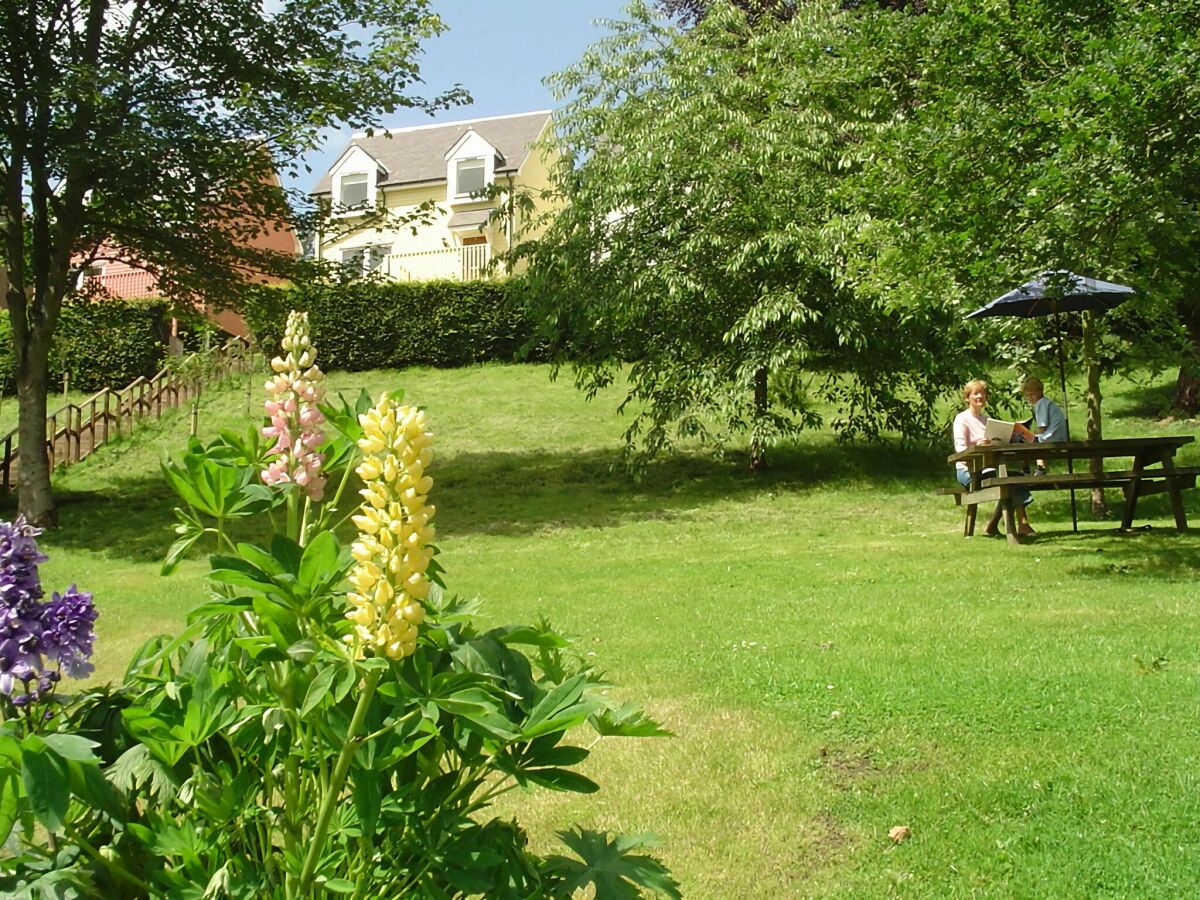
[110, 342]
[153, 132]
[1011, 138]
[699, 172]
[371, 324]
[99, 343]
[265, 753]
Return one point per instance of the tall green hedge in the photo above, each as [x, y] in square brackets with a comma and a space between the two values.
[109, 342]
[371, 325]
[98, 342]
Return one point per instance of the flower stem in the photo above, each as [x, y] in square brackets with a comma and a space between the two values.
[329, 802]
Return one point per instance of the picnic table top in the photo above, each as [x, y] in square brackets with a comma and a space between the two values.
[1082, 449]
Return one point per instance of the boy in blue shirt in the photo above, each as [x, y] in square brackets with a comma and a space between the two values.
[1048, 420]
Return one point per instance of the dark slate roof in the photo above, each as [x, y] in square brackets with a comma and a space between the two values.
[414, 155]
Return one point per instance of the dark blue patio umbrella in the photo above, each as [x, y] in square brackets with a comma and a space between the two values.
[1050, 294]
[1056, 292]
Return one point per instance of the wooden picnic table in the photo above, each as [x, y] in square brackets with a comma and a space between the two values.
[1152, 470]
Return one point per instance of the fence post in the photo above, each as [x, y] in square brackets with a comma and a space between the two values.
[8, 457]
[53, 440]
[106, 393]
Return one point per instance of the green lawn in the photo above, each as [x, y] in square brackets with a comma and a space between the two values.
[834, 658]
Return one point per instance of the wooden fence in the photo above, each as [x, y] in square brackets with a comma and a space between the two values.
[73, 431]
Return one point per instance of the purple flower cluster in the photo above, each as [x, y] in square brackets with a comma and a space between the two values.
[38, 641]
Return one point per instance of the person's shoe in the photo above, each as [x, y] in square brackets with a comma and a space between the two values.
[992, 531]
[1040, 470]
[1026, 531]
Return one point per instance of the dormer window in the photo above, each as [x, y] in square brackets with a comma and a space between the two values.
[353, 190]
[470, 176]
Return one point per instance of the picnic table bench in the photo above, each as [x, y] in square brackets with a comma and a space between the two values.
[1153, 471]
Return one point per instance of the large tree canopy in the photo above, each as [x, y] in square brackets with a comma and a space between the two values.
[698, 173]
[1028, 135]
[150, 128]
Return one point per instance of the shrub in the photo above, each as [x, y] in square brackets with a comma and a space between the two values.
[331, 722]
[99, 343]
[103, 343]
[371, 324]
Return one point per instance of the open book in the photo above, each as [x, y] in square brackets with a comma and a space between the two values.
[1000, 432]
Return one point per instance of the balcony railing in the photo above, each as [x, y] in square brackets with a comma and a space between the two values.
[469, 263]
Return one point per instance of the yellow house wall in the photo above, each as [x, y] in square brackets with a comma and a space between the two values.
[533, 180]
[433, 239]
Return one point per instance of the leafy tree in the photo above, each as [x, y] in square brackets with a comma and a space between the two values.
[689, 12]
[697, 171]
[150, 128]
[1032, 135]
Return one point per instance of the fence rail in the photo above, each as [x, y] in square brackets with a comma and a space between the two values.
[71, 435]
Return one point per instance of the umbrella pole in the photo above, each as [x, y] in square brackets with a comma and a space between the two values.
[1062, 383]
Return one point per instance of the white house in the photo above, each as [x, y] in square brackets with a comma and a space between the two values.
[380, 182]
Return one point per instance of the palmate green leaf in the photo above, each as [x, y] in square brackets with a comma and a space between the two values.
[91, 787]
[179, 549]
[237, 572]
[487, 656]
[154, 733]
[608, 866]
[561, 780]
[10, 789]
[318, 688]
[478, 708]
[246, 449]
[561, 709]
[626, 720]
[367, 797]
[72, 746]
[47, 786]
[181, 483]
[530, 636]
[324, 563]
[138, 770]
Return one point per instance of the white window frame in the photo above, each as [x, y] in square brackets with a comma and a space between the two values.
[371, 258]
[478, 163]
[368, 184]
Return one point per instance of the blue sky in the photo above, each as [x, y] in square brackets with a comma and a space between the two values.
[499, 50]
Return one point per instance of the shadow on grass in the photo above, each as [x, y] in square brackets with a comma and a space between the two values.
[1155, 551]
[517, 493]
[1157, 555]
[1151, 401]
[510, 493]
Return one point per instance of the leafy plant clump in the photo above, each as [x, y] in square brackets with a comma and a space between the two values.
[331, 721]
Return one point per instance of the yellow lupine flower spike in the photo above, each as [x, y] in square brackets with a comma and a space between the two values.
[394, 546]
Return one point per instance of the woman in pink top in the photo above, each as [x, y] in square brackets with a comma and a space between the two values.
[970, 425]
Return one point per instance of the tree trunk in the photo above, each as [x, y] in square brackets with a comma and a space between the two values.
[1095, 430]
[1187, 385]
[35, 498]
[758, 449]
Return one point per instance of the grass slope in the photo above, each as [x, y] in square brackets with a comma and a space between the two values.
[834, 657]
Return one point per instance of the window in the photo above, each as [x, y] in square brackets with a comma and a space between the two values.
[354, 190]
[365, 260]
[469, 176]
[375, 257]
